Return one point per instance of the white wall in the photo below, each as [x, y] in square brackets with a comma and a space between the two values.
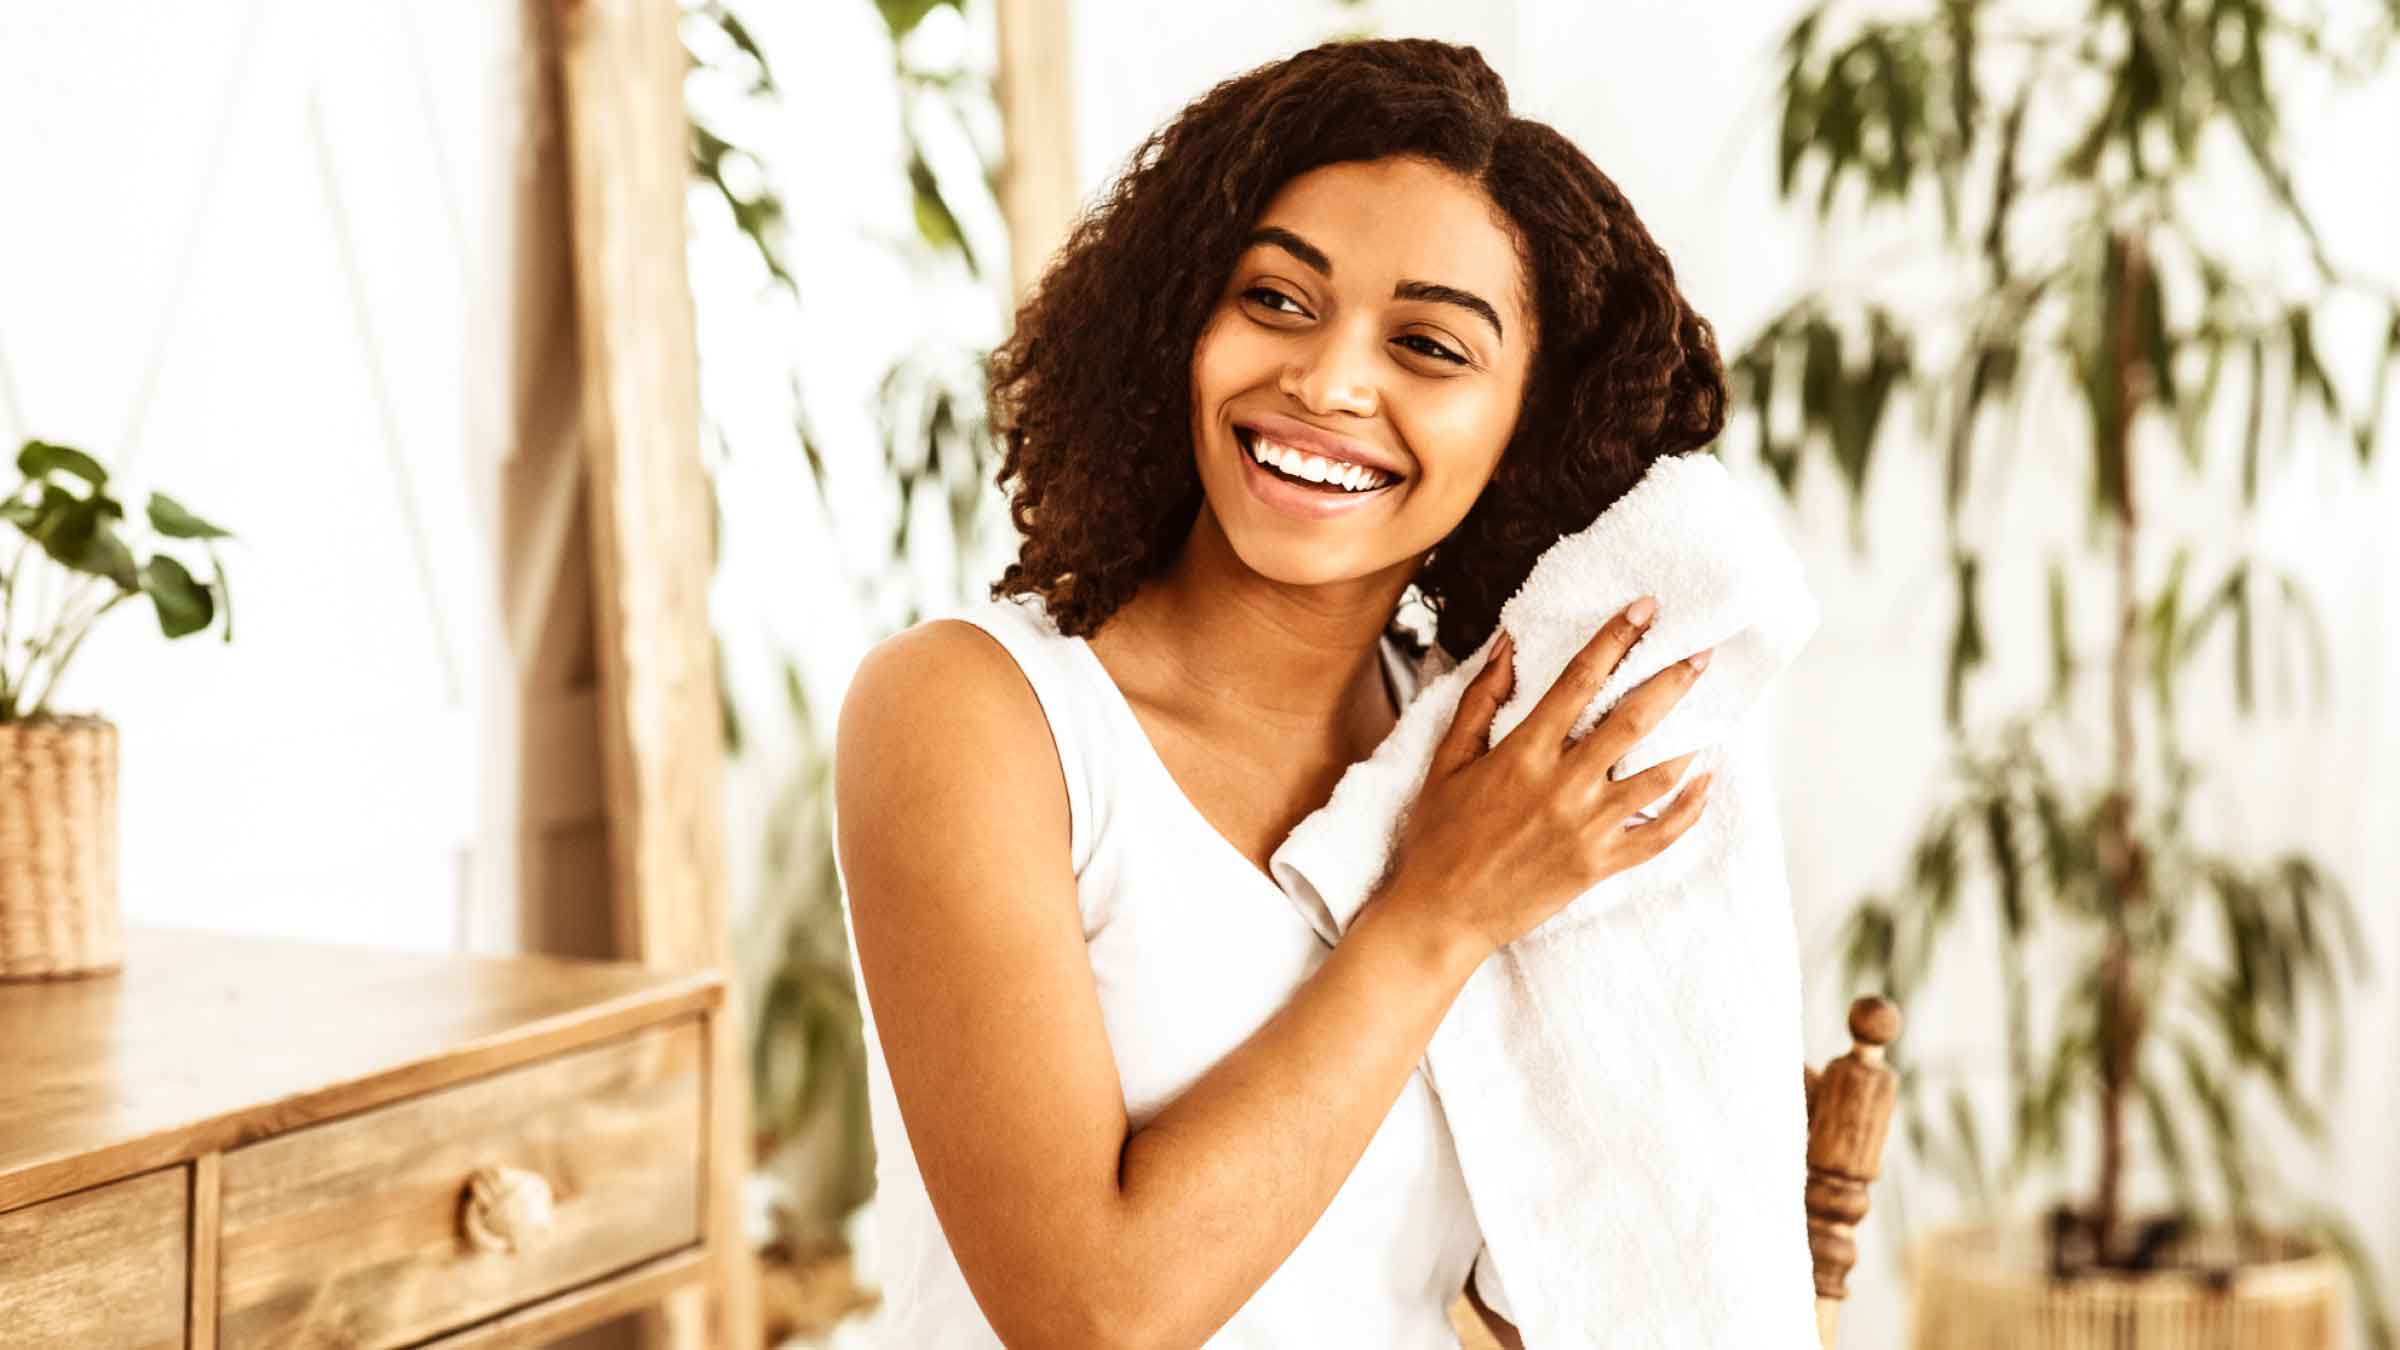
[1673, 102]
[301, 266]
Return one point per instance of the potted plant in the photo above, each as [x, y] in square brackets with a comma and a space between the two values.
[2049, 168]
[59, 914]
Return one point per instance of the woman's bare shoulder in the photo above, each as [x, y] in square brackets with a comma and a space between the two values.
[940, 719]
[943, 674]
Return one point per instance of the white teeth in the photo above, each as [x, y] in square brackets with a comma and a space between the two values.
[1315, 468]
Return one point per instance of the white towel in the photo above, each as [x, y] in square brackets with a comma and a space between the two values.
[1623, 1082]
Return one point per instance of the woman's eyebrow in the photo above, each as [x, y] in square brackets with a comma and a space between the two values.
[1433, 291]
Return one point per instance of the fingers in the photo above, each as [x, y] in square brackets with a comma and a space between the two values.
[1641, 709]
[1471, 726]
[1546, 726]
[1649, 785]
[1649, 839]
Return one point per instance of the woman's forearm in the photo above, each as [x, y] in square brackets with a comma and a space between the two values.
[1223, 1184]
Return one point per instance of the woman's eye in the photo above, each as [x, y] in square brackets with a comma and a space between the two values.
[1436, 350]
[1266, 291]
[1432, 349]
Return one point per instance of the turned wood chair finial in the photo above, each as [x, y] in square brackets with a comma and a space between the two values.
[1849, 1114]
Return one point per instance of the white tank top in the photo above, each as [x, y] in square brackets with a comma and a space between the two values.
[1193, 948]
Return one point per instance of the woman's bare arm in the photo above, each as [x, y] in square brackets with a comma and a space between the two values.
[1071, 1229]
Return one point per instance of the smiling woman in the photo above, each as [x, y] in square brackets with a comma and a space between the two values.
[1345, 328]
[1353, 328]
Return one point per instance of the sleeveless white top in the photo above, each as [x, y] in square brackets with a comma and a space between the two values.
[1193, 948]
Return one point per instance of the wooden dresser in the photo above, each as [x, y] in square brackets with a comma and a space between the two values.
[238, 1142]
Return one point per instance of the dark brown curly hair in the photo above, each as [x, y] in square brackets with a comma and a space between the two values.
[1091, 392]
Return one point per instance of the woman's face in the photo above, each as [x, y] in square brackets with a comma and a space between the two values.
[1375, 306]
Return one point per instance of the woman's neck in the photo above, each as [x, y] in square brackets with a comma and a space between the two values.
[1220, 646]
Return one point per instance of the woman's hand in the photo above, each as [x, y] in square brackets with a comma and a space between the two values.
[1499, 840]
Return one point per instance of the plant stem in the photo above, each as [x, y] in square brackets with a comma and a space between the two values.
[2122, 1014]
[58, 664]
[8, 614]
[61, 627]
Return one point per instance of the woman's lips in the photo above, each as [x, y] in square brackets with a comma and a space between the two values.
[1288, 498]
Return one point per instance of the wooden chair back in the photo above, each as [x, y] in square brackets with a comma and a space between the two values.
[1849, 1114]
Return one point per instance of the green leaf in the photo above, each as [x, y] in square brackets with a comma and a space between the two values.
[2224, 1122]
[2312, 627]
[2191, 414]
[2157, 346]
[106, 555]
[2254, 421]
[2372, 426]
[2245, 677]
[902, 16]
[2062, 649]
[184, 605]
[740, 36]
[2165, 616]
[2332, 1228]
[75, 532]
[1999, 831]
[1799, 110]
[729, 721]
[2004, 185]
[1962, 1120]
[39, 459]
[935, 222]
[224, 592]
[1966, 642]
[2308, 372]
[2169, 1139]
[169, 518]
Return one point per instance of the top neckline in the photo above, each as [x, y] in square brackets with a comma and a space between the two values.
[1391, 663]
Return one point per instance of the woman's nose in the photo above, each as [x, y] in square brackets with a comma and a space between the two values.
[1335, 373]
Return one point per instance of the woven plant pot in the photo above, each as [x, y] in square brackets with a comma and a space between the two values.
[59, 915]
[1984, 1287]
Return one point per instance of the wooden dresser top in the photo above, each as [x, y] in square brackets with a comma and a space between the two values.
[205, 1042]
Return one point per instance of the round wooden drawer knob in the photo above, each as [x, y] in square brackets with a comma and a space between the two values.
[506, 1209]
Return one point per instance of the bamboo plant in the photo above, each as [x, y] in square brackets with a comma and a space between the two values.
[2082, 272]
[74, 564]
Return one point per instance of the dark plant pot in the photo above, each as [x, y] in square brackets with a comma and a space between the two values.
[1987, 1287]
[59, 914]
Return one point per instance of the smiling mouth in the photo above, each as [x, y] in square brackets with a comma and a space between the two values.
[1246, 439]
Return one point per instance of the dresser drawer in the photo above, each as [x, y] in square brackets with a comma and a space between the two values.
[387, 1227]
[100, 1267]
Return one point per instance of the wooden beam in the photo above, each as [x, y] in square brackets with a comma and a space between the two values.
[622, 68]
[1035, 91]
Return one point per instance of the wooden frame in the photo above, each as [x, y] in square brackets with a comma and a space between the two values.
[1037, 118]
[626, 140]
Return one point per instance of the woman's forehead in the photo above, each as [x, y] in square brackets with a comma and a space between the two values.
[1392, 223]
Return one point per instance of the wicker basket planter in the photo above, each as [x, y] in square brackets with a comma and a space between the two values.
[59, 915]
[1985, 1287]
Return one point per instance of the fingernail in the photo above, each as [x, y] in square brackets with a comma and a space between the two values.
[1641, 611]
[1700, 660]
